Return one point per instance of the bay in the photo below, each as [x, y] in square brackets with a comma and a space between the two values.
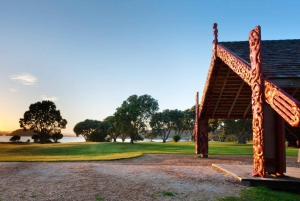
[63, 140]
[78, 139]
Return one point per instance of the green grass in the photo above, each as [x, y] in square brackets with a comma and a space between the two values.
[168, 193]
[86, 151]
[262, 193]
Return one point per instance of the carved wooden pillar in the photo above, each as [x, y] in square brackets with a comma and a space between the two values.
[215, 41]
[197, 151]
[257, 86]
[203, 138]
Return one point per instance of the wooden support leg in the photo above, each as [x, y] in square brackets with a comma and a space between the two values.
[274, 137]
[203, 138]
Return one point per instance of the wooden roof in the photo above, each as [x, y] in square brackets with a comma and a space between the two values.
[227, 93]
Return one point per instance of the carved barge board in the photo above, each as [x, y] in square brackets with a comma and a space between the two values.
[284, 104]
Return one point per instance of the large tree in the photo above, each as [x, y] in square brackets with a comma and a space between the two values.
[86, 127]
[100, 133]
[134, 114]
[43, 119]
[113, 132]
[176, 118]
[161, 124]
[189, 119]
[241, 128]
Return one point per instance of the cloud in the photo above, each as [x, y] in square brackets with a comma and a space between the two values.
[13, 90]
[53, 98]
[25, 79]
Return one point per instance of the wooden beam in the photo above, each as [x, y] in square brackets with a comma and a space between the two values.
[213, 87]
[247, 109]
[236, 97]
[220, 94]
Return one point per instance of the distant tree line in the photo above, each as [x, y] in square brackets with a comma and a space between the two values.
[138, 118]
[230, 130]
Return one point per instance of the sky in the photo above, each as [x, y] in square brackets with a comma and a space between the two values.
[89, 56]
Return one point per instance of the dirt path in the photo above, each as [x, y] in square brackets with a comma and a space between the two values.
[142, 178]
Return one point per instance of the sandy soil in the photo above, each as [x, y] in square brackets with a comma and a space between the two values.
[142, 178]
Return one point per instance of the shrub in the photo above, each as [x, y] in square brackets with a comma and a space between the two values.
[57, 136]
[176, 138]
[231, 138]
[15, 138]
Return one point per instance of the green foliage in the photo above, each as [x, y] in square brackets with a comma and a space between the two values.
[176, 118]
[100, 133]
[230, 138]
[161, 125]
[189, 120]
[86, 127]
[168, 193]
[262, 193]
[35, 137]
[15, 138]
[134, 114]
[57, 136]
[241, 128]
[151, 135]
[113, 132]
[176, 138]
[43, 119]
[99, 198]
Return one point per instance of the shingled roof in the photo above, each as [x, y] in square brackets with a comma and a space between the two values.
[228, 95]
[280, 58]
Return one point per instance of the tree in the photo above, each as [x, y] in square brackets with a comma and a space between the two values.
[113, 132]
[15, 138]
[35, 137]
[86, 127]
[189, 119]
[134, 114]
[241, 128]
[150, 135]
[43, 119]
[57, 136]
[176, 118]
[123, 136]
[100, 133]
[161, 124]
[216, 129]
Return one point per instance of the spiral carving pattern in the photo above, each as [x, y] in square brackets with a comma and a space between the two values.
[282, 103]
[257, 86]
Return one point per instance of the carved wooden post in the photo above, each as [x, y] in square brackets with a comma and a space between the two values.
[215, 41]
[203, 137]
[257, 86]
[196, 132]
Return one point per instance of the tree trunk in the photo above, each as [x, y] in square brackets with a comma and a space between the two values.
[43, 138]
[131, 141]
[115, 139]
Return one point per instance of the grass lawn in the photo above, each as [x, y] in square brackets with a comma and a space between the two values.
[85, 151]
[262, 193]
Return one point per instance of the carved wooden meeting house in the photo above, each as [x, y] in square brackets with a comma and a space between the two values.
[258, 80]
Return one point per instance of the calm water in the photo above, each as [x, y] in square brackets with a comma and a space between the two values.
[25, 138]
[75, 139]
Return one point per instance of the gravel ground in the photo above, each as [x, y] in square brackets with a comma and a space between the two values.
[144, 178]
